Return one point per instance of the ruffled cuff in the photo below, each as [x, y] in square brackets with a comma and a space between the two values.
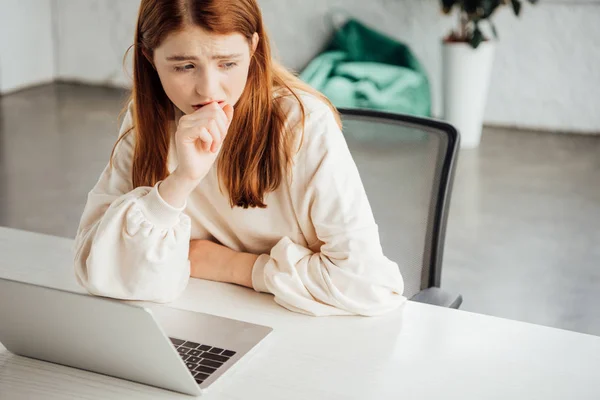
[157, 211]
[258, 273]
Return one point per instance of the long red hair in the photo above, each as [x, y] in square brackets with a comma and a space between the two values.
[259, 148]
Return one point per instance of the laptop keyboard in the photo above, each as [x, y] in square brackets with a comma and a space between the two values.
[202, 360]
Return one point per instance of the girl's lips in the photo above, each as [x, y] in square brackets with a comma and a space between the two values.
[197, 106]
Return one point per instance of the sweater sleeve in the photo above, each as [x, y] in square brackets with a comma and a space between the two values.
[350, 274]
[130, 243]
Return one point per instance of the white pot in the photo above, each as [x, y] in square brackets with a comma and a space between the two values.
[466, 79]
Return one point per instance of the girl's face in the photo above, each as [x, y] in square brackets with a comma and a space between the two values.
[196, 67]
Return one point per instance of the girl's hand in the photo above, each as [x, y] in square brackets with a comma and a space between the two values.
[198, 140]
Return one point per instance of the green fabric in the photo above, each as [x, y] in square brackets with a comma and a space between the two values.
[362, 68]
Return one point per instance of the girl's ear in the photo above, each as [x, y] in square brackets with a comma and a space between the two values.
[255, 40]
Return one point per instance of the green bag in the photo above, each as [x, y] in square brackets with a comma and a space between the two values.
[362, 68]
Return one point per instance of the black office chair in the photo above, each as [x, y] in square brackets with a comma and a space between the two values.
[407, 167]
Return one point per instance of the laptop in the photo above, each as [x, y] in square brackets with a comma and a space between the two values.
[173, 349]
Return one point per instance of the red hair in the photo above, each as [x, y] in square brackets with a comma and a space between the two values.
[259, 148]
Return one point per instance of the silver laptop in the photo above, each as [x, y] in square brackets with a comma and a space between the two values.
[173, 349]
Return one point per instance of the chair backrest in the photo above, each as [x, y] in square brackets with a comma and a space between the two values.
[407, 166]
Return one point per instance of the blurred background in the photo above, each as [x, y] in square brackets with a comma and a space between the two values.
[523, 236]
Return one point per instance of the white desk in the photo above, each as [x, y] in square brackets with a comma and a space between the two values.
[418, 352]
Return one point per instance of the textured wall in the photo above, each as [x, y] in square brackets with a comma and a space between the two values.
[93, 36]
[545, 74]
[26, 45]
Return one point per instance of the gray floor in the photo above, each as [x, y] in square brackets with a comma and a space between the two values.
[523, 234]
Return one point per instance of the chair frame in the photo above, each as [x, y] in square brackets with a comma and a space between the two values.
[438, 214]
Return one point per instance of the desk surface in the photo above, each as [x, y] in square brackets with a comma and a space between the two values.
[417, 352]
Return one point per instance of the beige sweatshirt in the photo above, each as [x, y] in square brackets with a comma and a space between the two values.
[318, 242]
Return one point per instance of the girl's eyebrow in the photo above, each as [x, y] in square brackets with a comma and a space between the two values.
[183, 57]
[226, 56]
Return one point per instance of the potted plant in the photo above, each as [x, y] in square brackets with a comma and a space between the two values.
[468, 56]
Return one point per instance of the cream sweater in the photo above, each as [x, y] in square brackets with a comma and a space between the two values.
[317, 241]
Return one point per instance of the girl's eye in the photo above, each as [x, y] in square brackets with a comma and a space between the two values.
[229, 65]
[184, 68]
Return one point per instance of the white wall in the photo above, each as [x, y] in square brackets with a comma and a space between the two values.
[26, 45]
[92, 38]
[547, 68]
[545, 74]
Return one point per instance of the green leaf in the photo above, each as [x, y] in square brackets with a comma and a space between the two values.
[477, 37]
[470, 6]
[516, 5]
[489, 6]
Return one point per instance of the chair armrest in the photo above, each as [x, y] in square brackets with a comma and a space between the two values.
[438, 297]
